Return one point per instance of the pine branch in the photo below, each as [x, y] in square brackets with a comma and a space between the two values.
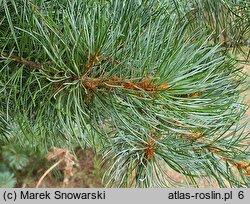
[20, 61]
[110, 83]
[102, 65]
[107, 83]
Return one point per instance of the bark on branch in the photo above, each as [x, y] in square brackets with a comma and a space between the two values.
[20, 60]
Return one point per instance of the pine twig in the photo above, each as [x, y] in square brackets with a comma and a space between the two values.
[20, 60]
[47, 172]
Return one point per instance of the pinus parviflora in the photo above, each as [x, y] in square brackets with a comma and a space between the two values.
[131, 79]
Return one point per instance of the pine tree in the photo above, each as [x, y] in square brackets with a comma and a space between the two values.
[133, 79]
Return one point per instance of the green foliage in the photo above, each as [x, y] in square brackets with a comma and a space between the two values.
[12, 158]
[16, 160]
[7, 180]
[131, 79]
[228, 22]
